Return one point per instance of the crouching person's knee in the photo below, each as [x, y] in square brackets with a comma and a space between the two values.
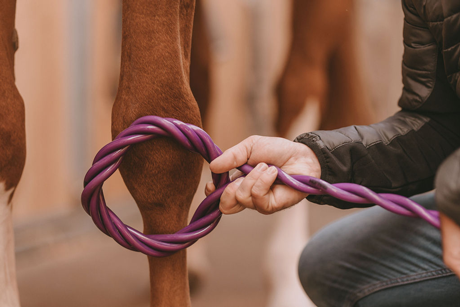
[322, 267]
[311, 273]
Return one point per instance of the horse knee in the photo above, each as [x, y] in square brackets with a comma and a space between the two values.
[161, 175]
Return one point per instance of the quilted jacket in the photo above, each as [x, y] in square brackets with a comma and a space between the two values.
[403, 153]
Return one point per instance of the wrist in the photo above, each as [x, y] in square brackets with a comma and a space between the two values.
[311, 142]
[316, 166]
[310, 160]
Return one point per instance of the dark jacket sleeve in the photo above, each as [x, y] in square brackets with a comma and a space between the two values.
[401, 154]
[448, 187]
[398, 155]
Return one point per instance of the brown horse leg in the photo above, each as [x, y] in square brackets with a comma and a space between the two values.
[319, 88]
[12, 151]
[317, 30]
[200, 65]
[201, 85]
[347, 102]
[161, 175]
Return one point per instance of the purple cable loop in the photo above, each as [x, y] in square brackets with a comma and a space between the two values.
[207, 215]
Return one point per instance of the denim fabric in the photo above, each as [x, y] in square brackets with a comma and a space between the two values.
[379, 259]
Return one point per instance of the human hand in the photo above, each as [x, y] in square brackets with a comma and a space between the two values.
[451, 243]
[255, 191]
[447, 200]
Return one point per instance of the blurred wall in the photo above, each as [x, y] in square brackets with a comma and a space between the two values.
[42, 76]
[67, 70]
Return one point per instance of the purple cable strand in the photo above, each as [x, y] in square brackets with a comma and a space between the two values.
[207, 216]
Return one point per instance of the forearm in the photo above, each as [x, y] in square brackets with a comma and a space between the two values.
[399, 155]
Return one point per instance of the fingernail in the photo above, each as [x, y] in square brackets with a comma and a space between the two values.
[272, 170]
[261, 167]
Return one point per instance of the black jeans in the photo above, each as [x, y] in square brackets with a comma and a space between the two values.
[375, 258]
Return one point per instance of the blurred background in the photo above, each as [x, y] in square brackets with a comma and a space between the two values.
[67, 70]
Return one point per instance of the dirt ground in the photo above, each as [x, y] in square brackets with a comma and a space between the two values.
[109, 275]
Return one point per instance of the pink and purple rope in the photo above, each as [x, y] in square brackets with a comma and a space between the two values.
[207, 216]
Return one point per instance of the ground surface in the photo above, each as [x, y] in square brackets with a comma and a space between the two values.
[108, 275]
[67, 262]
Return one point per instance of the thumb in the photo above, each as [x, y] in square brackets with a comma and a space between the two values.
[234, 156]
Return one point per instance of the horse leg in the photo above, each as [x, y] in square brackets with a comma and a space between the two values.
[347, 101]
[201, 85]
[160, 175]
[200, 64]
[282, 255]
[320, 37]
[317, 31]
[12, 151]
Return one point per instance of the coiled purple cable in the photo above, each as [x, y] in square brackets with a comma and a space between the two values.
[207, 216]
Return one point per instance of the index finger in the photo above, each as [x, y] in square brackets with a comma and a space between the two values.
[234, 156]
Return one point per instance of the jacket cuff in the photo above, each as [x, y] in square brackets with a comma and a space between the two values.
[315, 143]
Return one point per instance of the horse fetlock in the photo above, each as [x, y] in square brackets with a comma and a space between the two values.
[12, 130]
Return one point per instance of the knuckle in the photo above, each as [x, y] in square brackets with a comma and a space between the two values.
[263, 209]
[253, 175]
[253, 138]
[209, 187]
[262, 186]
[258, 191]
[236, 156]
[265, 181]
[228, 193]
[240, 197]
[266, 212]
[224, 208]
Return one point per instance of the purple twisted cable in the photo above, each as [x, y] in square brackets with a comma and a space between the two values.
[207, 216]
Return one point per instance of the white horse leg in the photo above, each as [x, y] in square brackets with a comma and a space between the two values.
[291, 233]
[9, 294]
